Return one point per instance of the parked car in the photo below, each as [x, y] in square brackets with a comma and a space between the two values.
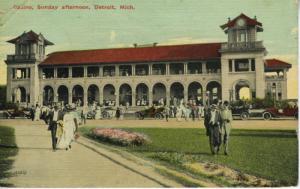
[107, 113]
[17, 113]
[241, 111]
[151, 112]
[289, 111]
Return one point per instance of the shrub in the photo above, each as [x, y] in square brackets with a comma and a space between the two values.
[119, 137]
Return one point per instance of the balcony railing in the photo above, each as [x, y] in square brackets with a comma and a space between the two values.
[23, 57]
[242, 46]
[274, 77]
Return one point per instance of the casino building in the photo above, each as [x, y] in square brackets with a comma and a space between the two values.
[149, 74]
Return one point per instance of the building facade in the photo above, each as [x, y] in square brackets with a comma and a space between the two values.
[146, 75]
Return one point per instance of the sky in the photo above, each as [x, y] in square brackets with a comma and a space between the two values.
[165, 22]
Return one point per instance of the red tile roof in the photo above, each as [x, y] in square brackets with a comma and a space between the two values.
[139, 54]
[249, 21]
[275, 63]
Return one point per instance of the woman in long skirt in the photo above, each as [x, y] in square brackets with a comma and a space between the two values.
[69, 127]
[37, 113]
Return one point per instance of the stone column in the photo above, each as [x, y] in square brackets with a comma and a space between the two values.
[117, 71]
[133, 69]
[150, 97]
[233, 65]
[249, 63]
[55, 72]
[150, 69]
[100, 71]
[55, 99]
[117, 97]
[260, 77]
[185, 94]
[85, 97]
[70, 71]
[101, 94]
[168, 69]
[204, 71]
[70, 95]
[284, 74]
[204, 97]
[84, 71]
[168, 93]
[133, 98]
[185, 68]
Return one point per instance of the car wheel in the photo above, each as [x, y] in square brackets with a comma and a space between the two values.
[105, 115]
[158, 116]
[267, 116]
[139, 116]
[244, 116]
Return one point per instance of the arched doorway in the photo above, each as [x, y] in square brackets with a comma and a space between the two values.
[159, 94]
[20, 95]
[93, 94]
[125, 95]
[63, 94]
[48, 95]
[142, 95]
[109, 96]
[77, 95]
[177, 93]
[242, 90]
[195, 93]
[215, 91]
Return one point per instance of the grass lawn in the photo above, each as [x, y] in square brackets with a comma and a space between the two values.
[7, 141]
[268, 154]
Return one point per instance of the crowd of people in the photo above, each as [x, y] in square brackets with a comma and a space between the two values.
[63, 121]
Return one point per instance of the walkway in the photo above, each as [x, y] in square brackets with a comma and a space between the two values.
[85, 165]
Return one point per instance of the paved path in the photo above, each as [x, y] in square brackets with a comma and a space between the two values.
[85, 165]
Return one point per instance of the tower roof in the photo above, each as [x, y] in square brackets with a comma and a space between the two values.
[274, 64]
[249, 22]
[30, 36]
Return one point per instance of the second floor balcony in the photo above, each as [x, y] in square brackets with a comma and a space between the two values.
[274, 78]
[24, 57]
[242, 46]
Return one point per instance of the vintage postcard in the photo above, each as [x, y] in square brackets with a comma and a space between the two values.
[137, 93]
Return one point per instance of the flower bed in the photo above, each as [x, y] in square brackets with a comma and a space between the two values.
[119, 137]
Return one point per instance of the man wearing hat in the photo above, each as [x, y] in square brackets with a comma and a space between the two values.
[54, 116]
[212, 122]
[226, 117]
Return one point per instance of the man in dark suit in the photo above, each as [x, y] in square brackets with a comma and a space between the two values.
[212, 124]
[54, 116]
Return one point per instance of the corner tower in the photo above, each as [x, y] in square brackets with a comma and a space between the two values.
[22, 68]
[242, 58]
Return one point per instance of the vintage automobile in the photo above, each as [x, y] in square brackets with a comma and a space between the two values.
[241, 112]
[151, 112]
[288, 111]
[17, 113]
[107, 113]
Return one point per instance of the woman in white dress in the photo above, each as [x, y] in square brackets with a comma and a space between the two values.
[37, 113]
[98, 114]
[67, 131]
